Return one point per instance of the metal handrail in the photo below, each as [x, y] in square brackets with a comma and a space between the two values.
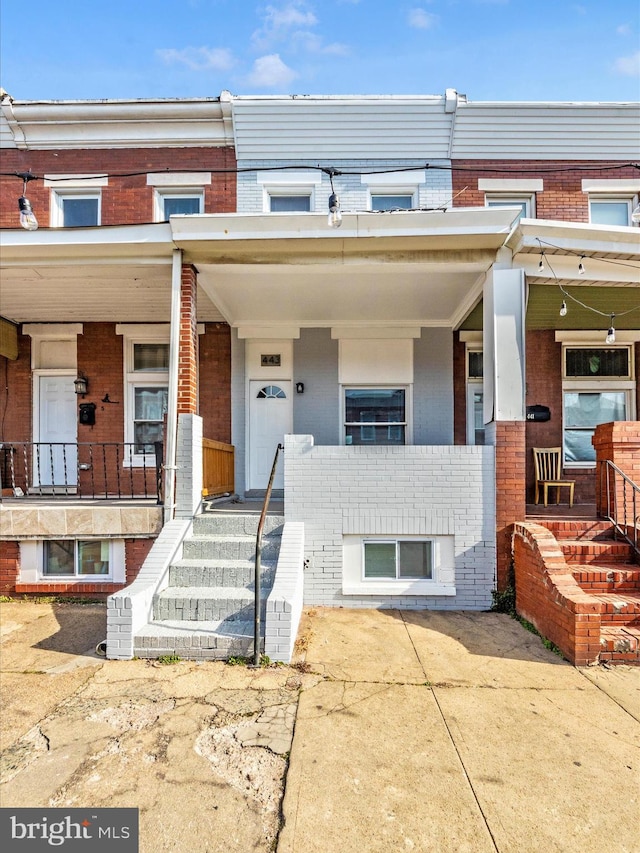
[624, 518]
[258, 561]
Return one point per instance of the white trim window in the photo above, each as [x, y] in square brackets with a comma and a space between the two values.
[611, 210]
[72, 561]
[76, 202]
[394, 190]
[526, 202]
[398, 565]
[289, 191]
[402, 198]
[598, 387]
[475, 396]
[146, 378]
[180, 201]
[76, 208]
[375, 416]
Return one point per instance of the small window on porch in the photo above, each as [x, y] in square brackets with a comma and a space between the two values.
[375, 416]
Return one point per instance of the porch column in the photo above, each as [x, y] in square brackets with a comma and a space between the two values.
[188, 349]
[504, 401]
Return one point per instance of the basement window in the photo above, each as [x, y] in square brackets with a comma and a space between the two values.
[397, 560]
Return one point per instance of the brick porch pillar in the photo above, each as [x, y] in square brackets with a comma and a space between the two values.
[511, 470]
[188, 357]
[618, 441]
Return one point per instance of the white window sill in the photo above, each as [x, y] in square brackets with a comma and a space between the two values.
[398, 588]
[73, 579]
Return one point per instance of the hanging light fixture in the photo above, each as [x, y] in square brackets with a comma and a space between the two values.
[611, 334]
[541, 264]
[27, 217]
[334, 219]
[563, 309]
[581, 269]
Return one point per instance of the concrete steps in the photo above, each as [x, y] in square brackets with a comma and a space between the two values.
[207, 610]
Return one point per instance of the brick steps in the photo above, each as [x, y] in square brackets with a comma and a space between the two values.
[607, 578]
[596, 551]
[620, 645]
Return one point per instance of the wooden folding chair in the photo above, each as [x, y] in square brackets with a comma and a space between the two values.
[547, 464]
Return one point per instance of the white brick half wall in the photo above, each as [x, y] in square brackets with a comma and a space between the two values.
[284, 605]
[433, 491]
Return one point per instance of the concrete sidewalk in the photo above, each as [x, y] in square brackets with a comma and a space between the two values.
[458, 732]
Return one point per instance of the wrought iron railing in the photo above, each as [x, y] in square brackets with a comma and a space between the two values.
[258, 561]
[99, 470]
[619, 502]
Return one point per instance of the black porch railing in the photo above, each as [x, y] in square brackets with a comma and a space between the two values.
[619, 502]
[99, 470]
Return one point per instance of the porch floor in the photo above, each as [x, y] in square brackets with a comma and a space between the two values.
[251, 506]
[577, 512]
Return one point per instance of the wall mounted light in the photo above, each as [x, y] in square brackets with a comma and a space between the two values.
[27, 217]
[81, 385]
[299, 387]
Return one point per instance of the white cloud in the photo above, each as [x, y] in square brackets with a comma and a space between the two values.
[623, 30]
[279, 22]
[421, 20]
[628, 65]
[269, 72]
[199, 58]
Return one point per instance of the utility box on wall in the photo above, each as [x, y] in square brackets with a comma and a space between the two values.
[87, 415]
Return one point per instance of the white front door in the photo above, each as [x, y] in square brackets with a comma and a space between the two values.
[55, 461]
[271, 417]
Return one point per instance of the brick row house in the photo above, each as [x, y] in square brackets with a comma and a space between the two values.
[470, 295]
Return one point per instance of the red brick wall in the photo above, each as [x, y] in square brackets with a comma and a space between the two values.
[510, 490]
[619, 442]
[188, 361]
[125, 200]
[459, 391]
[136, 551]
[215, 381]
[549, 597]
[9, 566]
[16, 414]
[562, 197]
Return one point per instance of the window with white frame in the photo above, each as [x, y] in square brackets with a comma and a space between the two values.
[287, 201]
[389, 200]
[397, 559]
[598, 387]
[146, 376]
[75, 209]
[610, 210]
[525, 203]
[169, 202]
[398, 564]
[375, 416]
[72, 560]
[475, 418]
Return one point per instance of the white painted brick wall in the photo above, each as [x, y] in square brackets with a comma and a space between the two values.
[284, 605]
[188, 466]
[421, 490]
[435, 192]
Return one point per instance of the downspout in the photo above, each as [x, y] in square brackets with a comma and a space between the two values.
[172, 403]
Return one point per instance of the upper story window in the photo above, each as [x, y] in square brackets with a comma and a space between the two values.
[392, 201]
[512, 192]
[177, 192]
[611, 201]
[169, 203]
[75, 202]
[394, 190]
[286, 202]
[610, 211]
[289, 190]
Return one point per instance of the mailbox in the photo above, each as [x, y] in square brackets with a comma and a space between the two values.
[538, 413]
[87, 414]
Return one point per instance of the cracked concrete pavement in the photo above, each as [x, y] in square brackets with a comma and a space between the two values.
[423, 731]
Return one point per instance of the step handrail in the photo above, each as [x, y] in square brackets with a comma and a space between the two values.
[258, 560]
[618, 516]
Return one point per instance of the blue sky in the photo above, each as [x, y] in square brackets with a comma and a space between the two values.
[529, 50]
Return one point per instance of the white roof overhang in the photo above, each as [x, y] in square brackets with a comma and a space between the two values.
[379, 269]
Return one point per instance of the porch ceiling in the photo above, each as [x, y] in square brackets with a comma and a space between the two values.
[417, 268]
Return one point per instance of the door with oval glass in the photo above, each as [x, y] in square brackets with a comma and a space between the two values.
[270, 418]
